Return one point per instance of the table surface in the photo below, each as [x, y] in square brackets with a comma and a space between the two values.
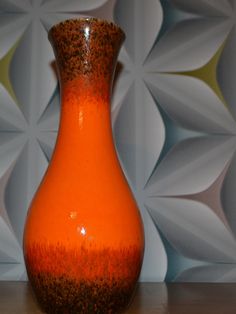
[150, 298]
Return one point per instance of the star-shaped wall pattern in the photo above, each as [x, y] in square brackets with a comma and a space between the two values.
[173, 115]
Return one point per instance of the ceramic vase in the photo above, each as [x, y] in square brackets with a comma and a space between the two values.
[83, 237]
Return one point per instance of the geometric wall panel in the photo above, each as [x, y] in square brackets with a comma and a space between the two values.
[173, 116]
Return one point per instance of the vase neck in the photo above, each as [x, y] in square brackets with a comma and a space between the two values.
[86, 51]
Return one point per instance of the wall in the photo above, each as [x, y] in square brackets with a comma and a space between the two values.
[173, 113]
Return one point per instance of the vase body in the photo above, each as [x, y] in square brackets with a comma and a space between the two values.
[83, 237]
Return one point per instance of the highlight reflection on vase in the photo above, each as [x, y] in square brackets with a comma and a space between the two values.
[83, 239]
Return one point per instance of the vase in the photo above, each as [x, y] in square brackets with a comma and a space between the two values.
[83, 237]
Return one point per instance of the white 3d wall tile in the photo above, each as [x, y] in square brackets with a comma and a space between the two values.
[173, 114]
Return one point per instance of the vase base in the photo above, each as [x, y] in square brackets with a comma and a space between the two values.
[62, 295]
[82, 280]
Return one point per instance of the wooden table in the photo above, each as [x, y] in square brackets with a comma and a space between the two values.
[150, 298]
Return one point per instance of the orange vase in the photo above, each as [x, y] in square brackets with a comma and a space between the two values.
[83, 239]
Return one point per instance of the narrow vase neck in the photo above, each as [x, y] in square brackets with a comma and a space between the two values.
[86, 54]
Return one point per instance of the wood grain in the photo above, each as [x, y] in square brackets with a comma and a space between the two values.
[150, 298]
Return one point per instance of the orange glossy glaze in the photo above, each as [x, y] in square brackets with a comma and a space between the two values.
[84, 198]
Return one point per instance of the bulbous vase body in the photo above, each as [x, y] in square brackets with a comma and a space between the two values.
[83, 238]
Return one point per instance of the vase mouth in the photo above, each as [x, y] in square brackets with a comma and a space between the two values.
[91, 21]
[86, 46]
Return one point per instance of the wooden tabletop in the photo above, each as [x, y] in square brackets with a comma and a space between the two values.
[150, 298]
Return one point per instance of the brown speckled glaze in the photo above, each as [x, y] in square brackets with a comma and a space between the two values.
[87, 46]
[94, 281]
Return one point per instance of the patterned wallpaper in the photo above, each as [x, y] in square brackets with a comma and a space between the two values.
[173, 114]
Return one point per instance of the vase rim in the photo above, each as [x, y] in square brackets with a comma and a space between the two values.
[88, 19]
